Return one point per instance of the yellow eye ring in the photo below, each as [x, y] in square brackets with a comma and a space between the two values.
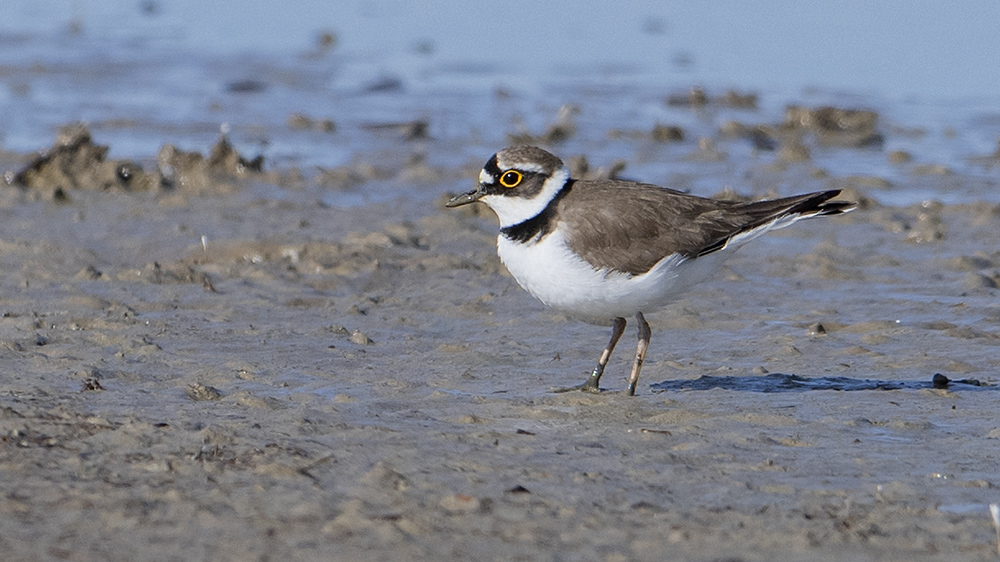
[511, 178]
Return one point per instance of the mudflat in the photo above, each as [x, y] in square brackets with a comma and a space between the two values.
[217, 364]
[277, 344]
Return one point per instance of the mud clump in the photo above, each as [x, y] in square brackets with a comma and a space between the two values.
[659, 134]
[301, 122]
[921, 223]
[560, 130]
[834, 126]
[667, 133]
[418, 129]
[173, 273]
[580, 168]
[200, 392]
[192, 172]
[350, 175]
[803, 127]
[697, 98]
[762, 137]
[988, 160]
[76, 162]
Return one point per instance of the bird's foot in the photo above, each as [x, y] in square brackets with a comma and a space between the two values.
[589, 386]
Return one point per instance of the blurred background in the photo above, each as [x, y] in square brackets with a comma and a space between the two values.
[928, 50]
[143, 73]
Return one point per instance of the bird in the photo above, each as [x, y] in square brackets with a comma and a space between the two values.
[605, 250]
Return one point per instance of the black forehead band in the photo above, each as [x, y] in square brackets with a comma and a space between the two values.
[493, 169]
[491, 166]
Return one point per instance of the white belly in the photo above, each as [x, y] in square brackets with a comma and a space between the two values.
[553, 274]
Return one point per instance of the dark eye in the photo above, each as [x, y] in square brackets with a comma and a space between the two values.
[511, 178]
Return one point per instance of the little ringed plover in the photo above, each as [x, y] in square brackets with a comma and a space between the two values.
[604, 250]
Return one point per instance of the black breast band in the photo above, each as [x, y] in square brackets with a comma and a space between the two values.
[538, 226]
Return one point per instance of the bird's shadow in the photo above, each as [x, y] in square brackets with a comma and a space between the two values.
[779, 382]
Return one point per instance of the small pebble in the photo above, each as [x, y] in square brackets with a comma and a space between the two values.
[360, 339]
[459, 503]
[92, 384]
[817, 329]
[974, 280]
[899, 157]
[199, 392]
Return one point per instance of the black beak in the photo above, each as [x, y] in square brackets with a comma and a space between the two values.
[466, 198]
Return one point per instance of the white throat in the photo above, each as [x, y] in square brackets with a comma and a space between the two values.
[513, 210]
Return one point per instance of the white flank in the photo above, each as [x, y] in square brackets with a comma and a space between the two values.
[553, 274]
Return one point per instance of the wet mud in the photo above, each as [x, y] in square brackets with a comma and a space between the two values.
[210, 356]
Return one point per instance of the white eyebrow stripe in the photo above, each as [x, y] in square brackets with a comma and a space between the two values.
[527, 167]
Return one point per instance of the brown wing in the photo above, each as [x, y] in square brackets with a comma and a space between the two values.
[629, 227]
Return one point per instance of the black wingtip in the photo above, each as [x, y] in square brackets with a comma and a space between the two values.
[819, 205]
[803, 207]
